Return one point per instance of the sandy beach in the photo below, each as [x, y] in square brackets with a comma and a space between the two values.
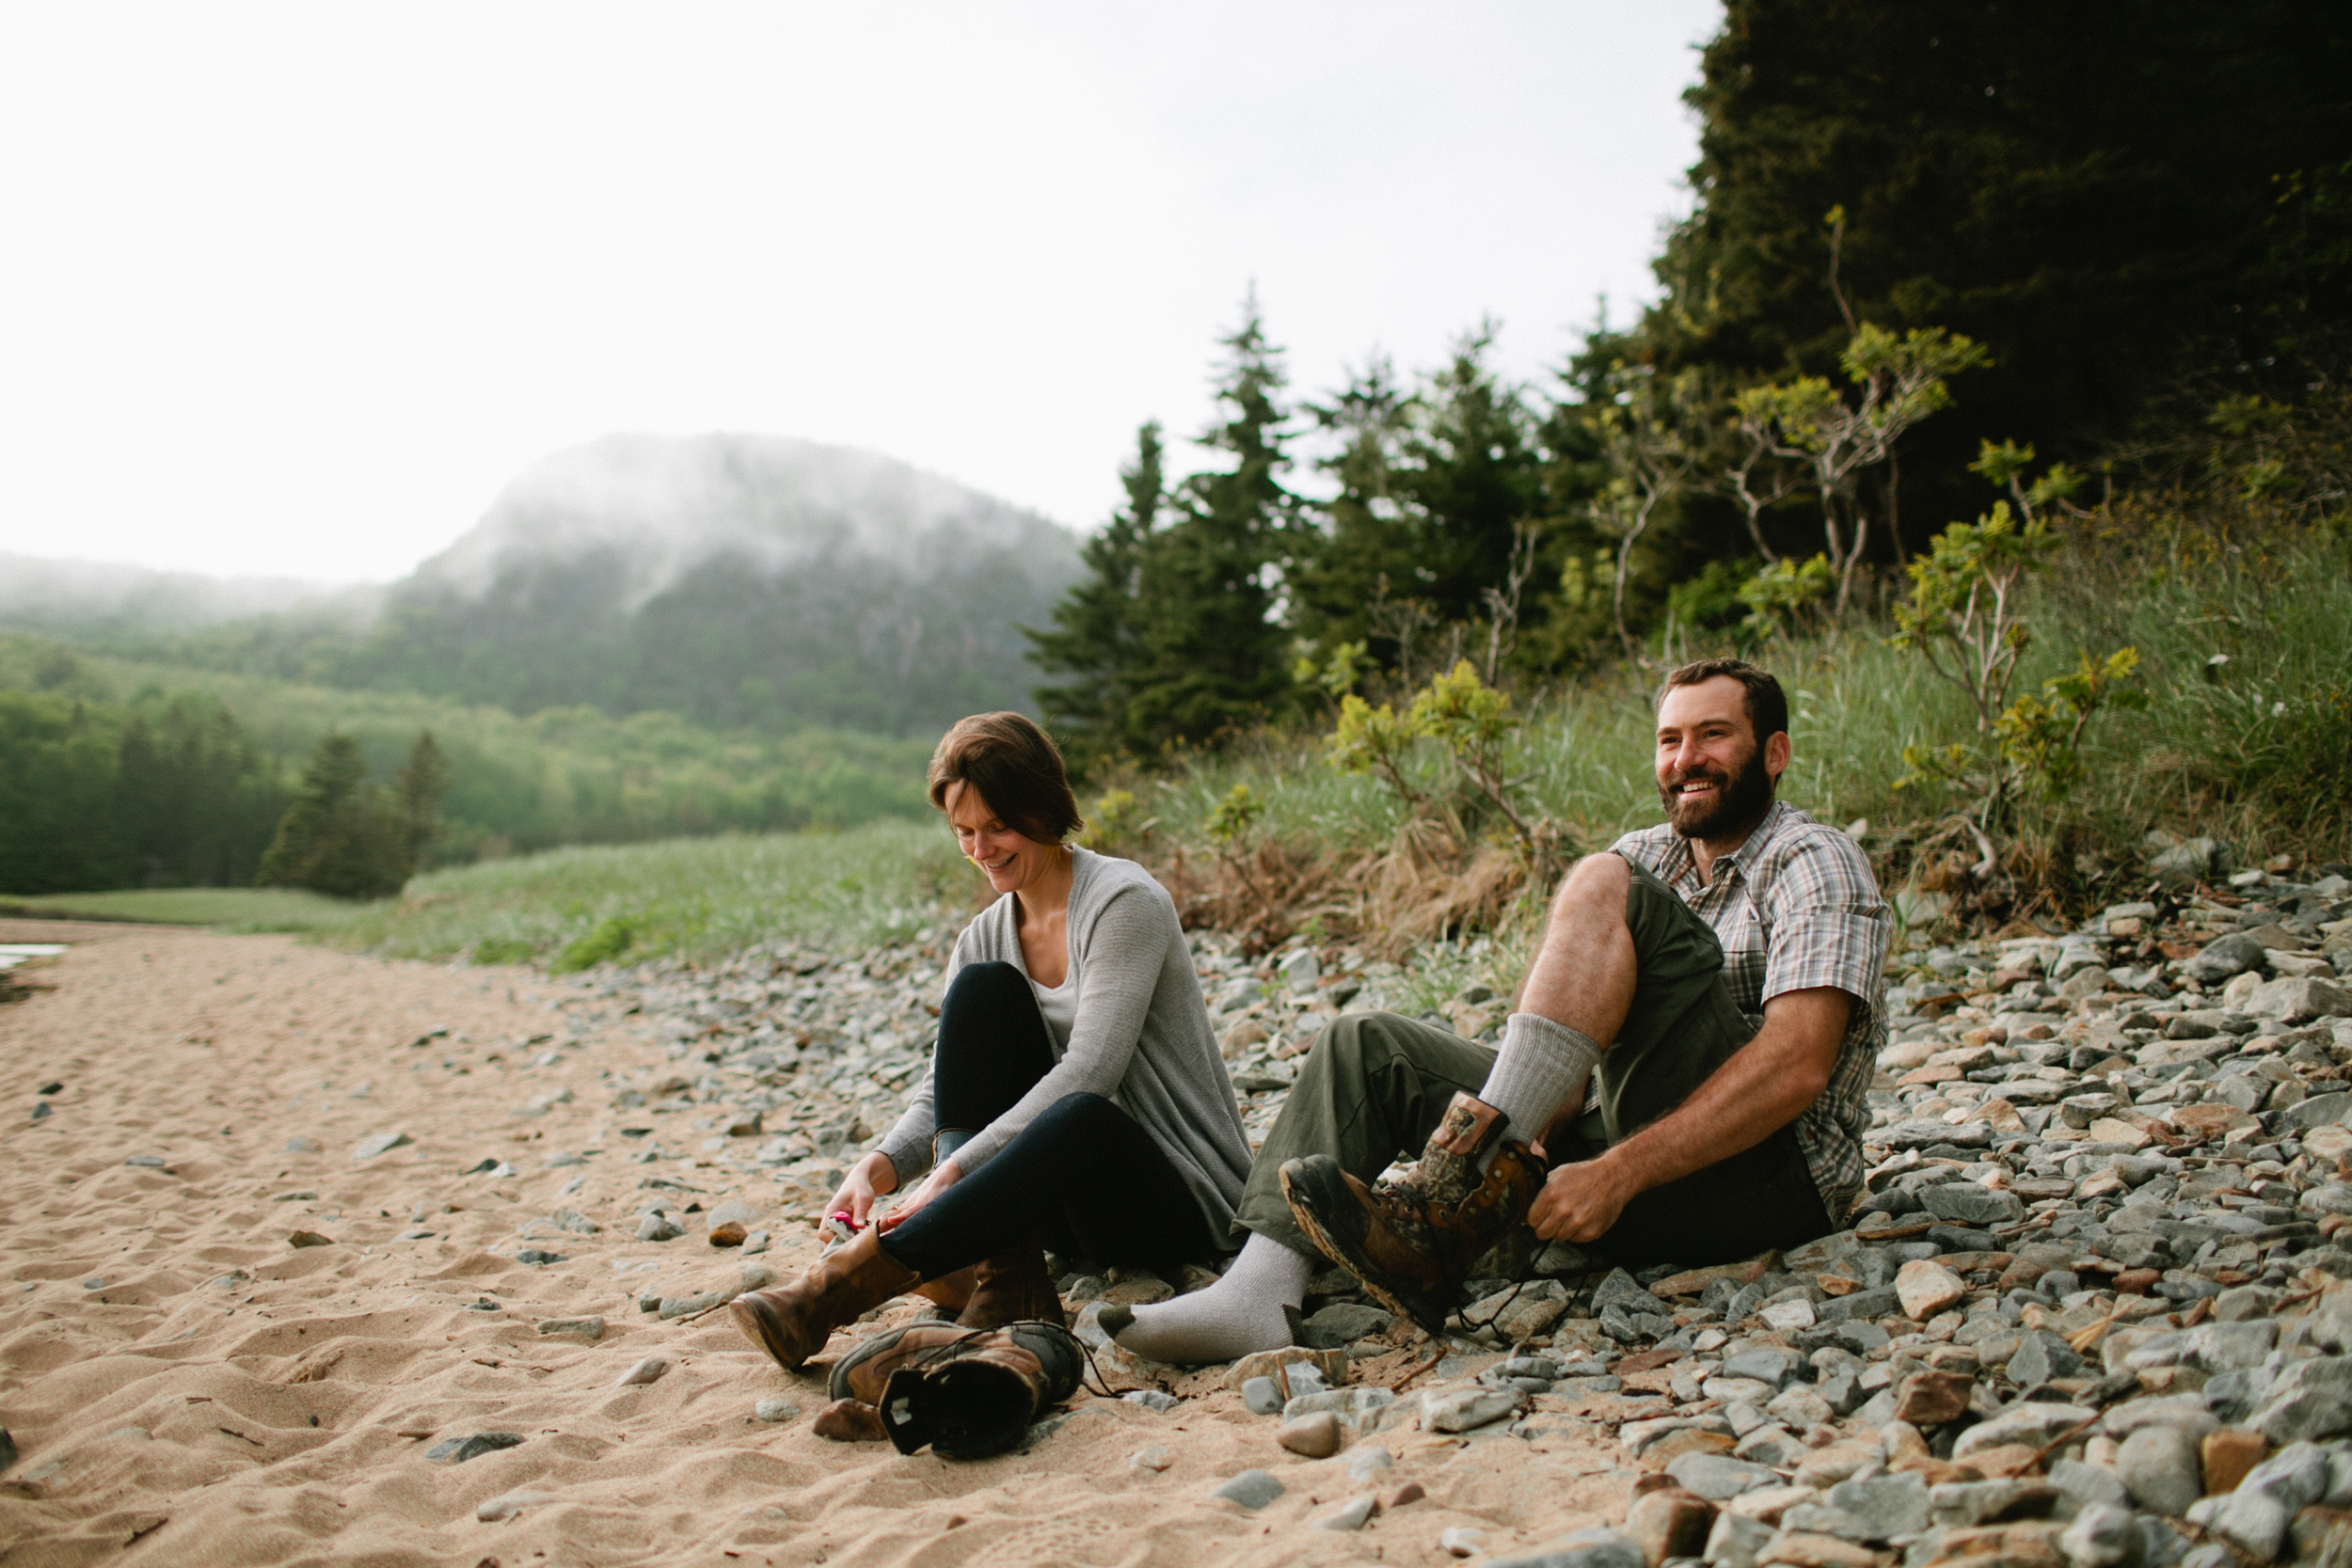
[186, 1385]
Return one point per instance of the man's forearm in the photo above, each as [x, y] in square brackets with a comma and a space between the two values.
[1764, 1086]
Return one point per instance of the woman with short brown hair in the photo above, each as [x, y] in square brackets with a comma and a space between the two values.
[1075, 1096]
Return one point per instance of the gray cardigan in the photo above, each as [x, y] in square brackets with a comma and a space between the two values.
[1142, 1039]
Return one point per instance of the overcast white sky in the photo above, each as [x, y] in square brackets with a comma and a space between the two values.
[295, 289]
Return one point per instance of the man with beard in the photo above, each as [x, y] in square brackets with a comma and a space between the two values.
[1717, 980]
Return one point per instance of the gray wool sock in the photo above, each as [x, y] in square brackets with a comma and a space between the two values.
[1241, 1314]
[1540, 1066]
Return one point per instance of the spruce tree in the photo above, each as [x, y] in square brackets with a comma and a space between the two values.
[1098, 636]
[1213, 655]
[416, 791]
[334, 838]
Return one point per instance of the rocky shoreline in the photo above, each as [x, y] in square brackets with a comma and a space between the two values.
[2092, 1308]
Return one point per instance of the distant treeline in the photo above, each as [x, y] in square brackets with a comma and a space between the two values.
[164, 792]
[118, 774]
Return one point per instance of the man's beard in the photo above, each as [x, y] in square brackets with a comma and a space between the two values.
[1731, 810]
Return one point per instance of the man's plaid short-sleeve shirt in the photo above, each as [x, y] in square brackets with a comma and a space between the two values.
[1796, 907]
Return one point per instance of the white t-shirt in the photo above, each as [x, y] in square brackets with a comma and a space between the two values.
[1059, 1004]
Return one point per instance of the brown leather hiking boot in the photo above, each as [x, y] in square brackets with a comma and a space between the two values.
[965, 1392]
[791, 1323]
[1412, 1242]
[1014, 1288]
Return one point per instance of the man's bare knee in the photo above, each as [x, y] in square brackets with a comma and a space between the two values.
[1598, 881]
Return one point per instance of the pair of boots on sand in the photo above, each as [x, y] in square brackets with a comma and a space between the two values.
[968, 1388]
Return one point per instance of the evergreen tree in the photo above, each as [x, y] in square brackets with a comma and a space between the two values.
[335, 838]
[1435, 488]
[1098, 634]
[417, 792]
[1213, 653]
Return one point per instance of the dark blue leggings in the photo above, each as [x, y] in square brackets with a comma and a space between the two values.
[1083, 1176]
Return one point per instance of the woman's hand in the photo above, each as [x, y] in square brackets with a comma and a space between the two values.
[944, 1176]
[868, 1181]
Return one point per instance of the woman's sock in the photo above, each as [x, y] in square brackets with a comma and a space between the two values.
[1241, 1314]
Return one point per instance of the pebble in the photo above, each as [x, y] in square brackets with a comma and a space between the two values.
[1462, 1541]
[650, 1369]
[1154, 1458]
[1316, 1435]
[508, 1506]
[2159, 1467]
[383, 1143]
[1352, 1514]
[1153, 1400]
[309, 1237]
[1367, 1463]
[591, 1329]
[775, 1410]
[457, 1451]
[685, 1307]
[1251, 1489]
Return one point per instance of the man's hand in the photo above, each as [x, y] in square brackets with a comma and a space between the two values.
[868, 1181]
[1581, 1201]
[1762, 1088]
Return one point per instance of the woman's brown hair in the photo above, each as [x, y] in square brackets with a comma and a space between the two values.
[1017, 771]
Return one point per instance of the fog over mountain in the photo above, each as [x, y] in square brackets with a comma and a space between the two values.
[84, 599]
[738, 579]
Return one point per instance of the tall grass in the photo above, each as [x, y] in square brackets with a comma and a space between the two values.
[223, 908]
[694, 897]
[2256, 750]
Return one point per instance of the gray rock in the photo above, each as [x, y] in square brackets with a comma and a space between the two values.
[651, 1369]
[2257, 1515]
[457, 1451]
[1261, 1395]
[1717, 1477]
[2089, 1484]
[1860, 1307]
[775, 1410]
[1980, 1503]
[2228, 955]
[1767, 1364]
[2185, 1411]
[685, 1307]
[1352, 1514]
[2102, 1536]
[2191, 861]
[383, 1143]
[1734, 1541]
[2031, 1424]
[2299, 1001]
[1888, 1506]
[590, 1328]
[2040, 1356]
[1620, 1290]
[2311, 1398]
[1344, 1324]
[1771, 1443]
[575, 1222]
[1585, 1548]
[1966, 1203]
[1153, 1400]
[2159, 1467]
[1468, 1408]
[658, 1228]
[1251, 1489]
[1364, 1463]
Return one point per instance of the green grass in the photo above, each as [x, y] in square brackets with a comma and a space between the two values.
[2256, 750]
[694, 897]
[226, 909]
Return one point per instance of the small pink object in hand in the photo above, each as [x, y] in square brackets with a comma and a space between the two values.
[840, 1222]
